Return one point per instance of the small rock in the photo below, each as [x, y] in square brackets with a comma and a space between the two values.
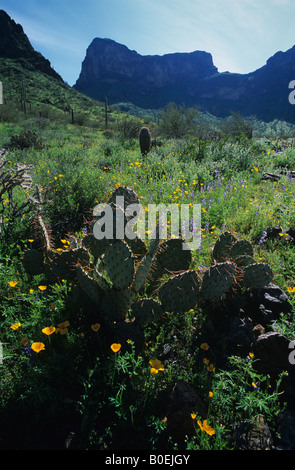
[258, 330]
[273, 351]
[266, 304]
[252, 435]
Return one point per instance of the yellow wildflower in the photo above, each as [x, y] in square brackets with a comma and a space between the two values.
[95, 327]
[15, 326]
[13, 283]
[156, 365]
[48, 330]
[205, 427]
[62, 328]
[115, 347]
[37, 347]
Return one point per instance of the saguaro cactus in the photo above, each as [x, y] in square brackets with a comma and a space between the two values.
[145, 140]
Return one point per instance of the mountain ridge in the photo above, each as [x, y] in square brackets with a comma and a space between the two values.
[111, 70]
[151, 81]
[15, 44]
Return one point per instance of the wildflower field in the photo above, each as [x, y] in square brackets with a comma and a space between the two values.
[69, 376]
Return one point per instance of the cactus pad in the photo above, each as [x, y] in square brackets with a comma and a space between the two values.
[257, 275]
[130, 196]
[116, 304]
[119, 264]
[89, 286]
[33, 261]
[144, 267]
[172, 257]
[217, 280]
[95, 247]
[137, 246]
[243, 260]
[241, 247]
[180, 293]
[222, 247]
[62, 264]
[100, 280]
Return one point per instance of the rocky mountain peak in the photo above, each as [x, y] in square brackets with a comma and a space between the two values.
[112, 68]
[14, 44]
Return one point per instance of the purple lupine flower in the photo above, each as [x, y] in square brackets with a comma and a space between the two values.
[263, 238]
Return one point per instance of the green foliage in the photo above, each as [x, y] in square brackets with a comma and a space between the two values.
[241, 393]
[176, 121]
[237, 127]
[113, 399]
[24, 140]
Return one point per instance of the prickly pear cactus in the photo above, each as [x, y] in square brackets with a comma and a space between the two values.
[54, 264]
[119, 264]
[62, 265]
[257, 275]
[222, 247]
[240, 252]
[217, 280]
[33, 262]
[181, 292]
[173, 257]
[241, 248]
[129, 195]
[89, 286]
[116, 303]
[96, 247]
[243, 260]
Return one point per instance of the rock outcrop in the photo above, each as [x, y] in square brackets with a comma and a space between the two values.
[112, 69]
[14, 44]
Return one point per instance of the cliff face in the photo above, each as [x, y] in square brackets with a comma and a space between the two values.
[14, 44]
[111, 69]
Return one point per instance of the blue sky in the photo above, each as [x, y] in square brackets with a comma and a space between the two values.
[240, 34]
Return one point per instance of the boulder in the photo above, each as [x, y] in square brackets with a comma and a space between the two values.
[266, 304]
[252, 435]
[273, 353]
[182, 400]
